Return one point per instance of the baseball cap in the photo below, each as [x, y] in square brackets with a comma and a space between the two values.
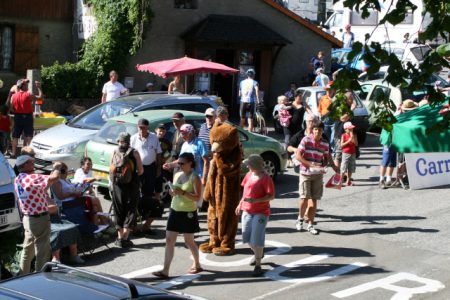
[255, 162]
[177, 116]
[348, 125]
[21, 81]
[186, 128]
[221, 110]
[161, 125]
[143, 122]
[319, 70]
[250, 72]
[210, 112]
[124, 137]
[23, 159]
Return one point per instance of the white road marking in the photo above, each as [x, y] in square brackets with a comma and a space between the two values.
[177, 281]
[321, 277]
[280, 249]
[402, 293]
[142, 272]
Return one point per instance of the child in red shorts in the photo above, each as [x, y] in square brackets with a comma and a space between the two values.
[348, 144]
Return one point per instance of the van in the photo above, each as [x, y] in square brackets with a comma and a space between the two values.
[342, 16]
[9, 213]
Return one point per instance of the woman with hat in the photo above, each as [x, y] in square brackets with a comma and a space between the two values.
[259, 190]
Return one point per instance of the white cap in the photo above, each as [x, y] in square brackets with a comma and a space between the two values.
[210, 112]
[348, 125]
[186, 128]
[22, 159]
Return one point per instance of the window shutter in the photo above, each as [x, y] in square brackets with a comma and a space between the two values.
[26, 49]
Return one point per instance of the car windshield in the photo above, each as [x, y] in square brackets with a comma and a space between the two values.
[110, 131]
[420, 52]
[98, 115]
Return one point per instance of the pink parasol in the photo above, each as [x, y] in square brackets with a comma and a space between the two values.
[184, 66]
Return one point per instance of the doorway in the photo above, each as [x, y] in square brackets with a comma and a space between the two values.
[224, 85]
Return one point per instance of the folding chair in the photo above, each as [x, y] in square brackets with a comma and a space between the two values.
[74, 211]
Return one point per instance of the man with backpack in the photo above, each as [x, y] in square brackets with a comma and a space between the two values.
[124, 170]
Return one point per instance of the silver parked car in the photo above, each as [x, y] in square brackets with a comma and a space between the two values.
[9, 213]
[66, 142]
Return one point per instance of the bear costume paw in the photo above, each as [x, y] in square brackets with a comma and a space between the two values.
[206, 248]
[222, 251]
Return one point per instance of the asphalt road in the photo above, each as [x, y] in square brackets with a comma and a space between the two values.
[373, 244]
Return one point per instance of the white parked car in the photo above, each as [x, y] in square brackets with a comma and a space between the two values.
[9, 213]
[67, 142]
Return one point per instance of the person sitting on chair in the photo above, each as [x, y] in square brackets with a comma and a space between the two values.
[63, 234]
[64, 190]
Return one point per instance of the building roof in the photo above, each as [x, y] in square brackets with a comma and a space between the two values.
[304, 22]
[234, 29]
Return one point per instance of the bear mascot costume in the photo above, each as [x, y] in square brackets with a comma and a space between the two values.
[222, 189]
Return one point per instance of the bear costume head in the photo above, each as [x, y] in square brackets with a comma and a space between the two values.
[224, 138]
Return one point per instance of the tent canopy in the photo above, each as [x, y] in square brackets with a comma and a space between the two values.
[409, 134]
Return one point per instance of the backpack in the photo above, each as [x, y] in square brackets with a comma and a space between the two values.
[285, 117]
[122, 167]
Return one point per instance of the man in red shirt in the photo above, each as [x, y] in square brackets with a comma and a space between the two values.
[22, 106]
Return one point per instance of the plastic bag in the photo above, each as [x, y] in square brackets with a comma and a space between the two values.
[335, 182]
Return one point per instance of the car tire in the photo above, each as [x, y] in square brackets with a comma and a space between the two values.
[165, 196]
[271, 165]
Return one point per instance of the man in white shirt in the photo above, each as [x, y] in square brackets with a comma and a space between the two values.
[113, 89]
[147, 144]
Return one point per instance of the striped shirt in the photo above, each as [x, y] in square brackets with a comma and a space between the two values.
[312, 152]
[203, 134]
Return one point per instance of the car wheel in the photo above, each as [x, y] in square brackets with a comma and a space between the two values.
[361, 137]
[165, 196]
[271, 165]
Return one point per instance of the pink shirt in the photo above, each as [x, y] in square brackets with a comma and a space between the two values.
[257, 188]
[313, 152]
[32, 192]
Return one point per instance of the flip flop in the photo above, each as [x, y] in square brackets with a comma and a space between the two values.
[160, 274]
[195, 270]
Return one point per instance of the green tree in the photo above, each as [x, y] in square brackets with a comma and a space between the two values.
[119, 35]
[409, 76]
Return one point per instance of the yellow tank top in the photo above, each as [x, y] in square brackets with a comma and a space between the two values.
[181, 202]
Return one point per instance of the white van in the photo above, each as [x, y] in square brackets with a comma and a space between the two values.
[9, 213]
[342, 16]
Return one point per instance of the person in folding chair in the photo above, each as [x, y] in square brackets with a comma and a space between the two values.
[72, 203]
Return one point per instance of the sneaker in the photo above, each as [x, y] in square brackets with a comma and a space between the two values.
[382, 185]
[299, 224]
[389, 183]
[127, 244]
[118, 243]
[312, 230]
[257, 271]
[77, 260]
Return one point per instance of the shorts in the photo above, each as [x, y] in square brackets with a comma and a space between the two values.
[337, 155]
[23, 123]
[348, 163]
[246, 109]
[389, 157]
[254, 228]
[183, 221]
[311, 186]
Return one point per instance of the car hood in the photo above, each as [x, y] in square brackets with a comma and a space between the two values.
[62, 135]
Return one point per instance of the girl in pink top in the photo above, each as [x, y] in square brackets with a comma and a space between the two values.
[259, 190]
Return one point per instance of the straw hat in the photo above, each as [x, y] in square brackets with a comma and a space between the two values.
[409, 105]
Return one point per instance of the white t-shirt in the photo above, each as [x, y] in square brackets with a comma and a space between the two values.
[80, 176]
[148, 147]
[112, 90]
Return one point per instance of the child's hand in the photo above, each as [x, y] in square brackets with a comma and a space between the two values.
[238, 210]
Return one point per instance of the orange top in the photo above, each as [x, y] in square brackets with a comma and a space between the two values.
[324, 103]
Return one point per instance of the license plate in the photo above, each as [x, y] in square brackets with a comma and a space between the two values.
[102, 175]
[3, 219]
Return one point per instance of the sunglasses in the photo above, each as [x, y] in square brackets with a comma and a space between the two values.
[142, 127]
[209, 117]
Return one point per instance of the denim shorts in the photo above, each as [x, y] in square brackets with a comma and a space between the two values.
[389, 157]
[254, 228]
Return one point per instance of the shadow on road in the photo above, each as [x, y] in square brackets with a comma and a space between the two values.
[381, 231]
[368, 219]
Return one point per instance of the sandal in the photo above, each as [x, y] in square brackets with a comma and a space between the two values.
[160, 274]
[194, 270]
